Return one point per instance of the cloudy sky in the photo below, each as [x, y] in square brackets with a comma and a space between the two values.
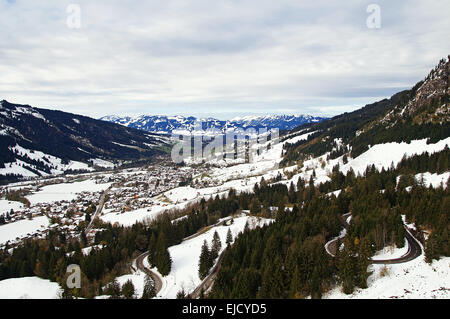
[221, 58]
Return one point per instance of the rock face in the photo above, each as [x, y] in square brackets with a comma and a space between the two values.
[418, 113]
[428, 99]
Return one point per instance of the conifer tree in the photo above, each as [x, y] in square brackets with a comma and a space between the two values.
[149, 288]
[216, 245]
[128, 289]
[229, 239]
[113, 289]
[162, 258]
[152, 250]
[205, 261]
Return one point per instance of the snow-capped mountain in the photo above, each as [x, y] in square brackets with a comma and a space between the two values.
[169, 124]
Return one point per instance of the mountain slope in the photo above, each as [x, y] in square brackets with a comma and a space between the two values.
[421, 112]
[67, 137]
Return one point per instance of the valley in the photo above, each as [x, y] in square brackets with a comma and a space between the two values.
[140, 225]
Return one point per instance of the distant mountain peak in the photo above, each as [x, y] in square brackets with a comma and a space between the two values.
[168, 124]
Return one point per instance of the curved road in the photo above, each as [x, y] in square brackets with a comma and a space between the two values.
[206, 283]
[156, 279]
[414, 247]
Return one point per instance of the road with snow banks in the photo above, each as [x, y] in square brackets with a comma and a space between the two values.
[414, 247]
[156, 278]
[206, 283]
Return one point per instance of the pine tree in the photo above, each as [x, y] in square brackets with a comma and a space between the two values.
[113, 289]
[205, 261]
[166, 263]
[296, 284]
[272, 281]
[216, 245]
[229, 239]
[363, 261]
[128, 289]
[346, 266]
[152, 250]
[149, 288]
[162, 259]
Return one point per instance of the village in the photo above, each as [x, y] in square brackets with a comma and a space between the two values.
[69, 204]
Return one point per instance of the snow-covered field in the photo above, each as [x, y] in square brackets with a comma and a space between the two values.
[412, 280]
[382, 155]
[16, 167]
[133, 216]
[185, 256]
[434, 180]
[391, 252]
[21, 228]
[65, 191]
[138, 280]
[28, 288]
[6, 206]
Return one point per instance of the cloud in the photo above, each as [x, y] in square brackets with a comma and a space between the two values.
[215, 57]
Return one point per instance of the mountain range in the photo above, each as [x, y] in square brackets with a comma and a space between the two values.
[39, 142]
[182, 124]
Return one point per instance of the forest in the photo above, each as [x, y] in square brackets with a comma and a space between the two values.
[284, 260]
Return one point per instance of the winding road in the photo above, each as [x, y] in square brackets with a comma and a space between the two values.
[206, 283]
[414, 247]
[156, 278]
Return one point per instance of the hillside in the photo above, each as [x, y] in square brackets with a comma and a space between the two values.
[35, 141]
[360, 181]
[421, 112]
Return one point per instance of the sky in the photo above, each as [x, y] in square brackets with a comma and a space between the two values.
[221, 58]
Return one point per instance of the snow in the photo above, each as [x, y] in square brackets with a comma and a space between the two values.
[380, 155]
[415, 279]
[21, 228]
[391, 252]
[102, 163]
[349, 219]
[137, 278]
[16, 167]
[74, 165]
[383, 155]
[125, 145]
[29, 288]
[131, 217]
[181, 193]
[65, 191]
[435, 180]
[266, 163]
[185, 256]
[6, 206]
[335, 193]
